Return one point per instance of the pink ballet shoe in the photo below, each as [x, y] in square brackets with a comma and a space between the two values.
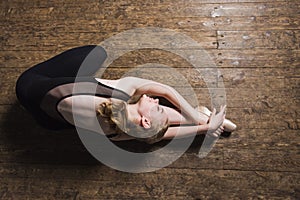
[228, 125]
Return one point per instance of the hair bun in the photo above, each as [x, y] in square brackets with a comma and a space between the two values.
[104, 109]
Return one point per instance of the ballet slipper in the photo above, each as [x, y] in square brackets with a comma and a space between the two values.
[228, 125]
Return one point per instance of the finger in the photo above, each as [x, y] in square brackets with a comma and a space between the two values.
[215, 135]
[220, 109]
[213, 112]
[224, 108]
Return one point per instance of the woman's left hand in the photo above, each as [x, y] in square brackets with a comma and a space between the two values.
[216, 120]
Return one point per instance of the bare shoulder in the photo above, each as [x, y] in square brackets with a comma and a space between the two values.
[126, 84]
[124, 80]
[111, 83]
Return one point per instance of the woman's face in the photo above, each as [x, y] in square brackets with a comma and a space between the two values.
[151, 109]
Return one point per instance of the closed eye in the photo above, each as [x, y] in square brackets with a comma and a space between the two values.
[160, 109]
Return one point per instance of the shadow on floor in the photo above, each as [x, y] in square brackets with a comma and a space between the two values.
[27, 142]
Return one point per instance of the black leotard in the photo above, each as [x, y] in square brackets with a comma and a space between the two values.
[40, 88]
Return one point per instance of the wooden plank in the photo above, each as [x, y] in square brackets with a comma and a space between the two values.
[18, 3]
[48, 10]
[36, 3]
[255, 9]
[25, 59]
[235, 23]
[186, 24]
[192, 184]
[111, 10]
[51, 26]
[275, 39]
[229, 76]
[257, 58]
[272, 139]
[240, 159]
[226, 58]
[202, 10]
[45, 41]
[231, 1]
[256, 23]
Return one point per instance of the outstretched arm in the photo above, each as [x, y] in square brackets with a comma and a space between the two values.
[175, 117]
[214, 127]
[188, 115]
[138, 86]
[187, 131]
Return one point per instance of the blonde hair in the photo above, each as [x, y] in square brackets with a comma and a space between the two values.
[115, 114]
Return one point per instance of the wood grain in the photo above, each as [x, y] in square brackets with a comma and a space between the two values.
[194, 184]
[254, 44]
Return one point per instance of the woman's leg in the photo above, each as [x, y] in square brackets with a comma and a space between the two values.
[68, 63]
[30, 89]
[32, 85]
[65, 64]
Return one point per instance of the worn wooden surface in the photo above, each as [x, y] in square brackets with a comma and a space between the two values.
[254, 44]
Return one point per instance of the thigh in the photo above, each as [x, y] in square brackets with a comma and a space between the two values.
[30, 90]
[68, 63]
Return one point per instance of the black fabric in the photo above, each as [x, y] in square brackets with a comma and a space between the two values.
[35, 82]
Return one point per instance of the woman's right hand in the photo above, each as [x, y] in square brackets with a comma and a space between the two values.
[216, 120]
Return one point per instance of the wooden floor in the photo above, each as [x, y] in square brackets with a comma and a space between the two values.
[254, 43]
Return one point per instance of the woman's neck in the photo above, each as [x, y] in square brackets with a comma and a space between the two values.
[133, 114]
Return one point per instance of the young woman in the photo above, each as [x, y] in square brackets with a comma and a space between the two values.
[123, 108]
